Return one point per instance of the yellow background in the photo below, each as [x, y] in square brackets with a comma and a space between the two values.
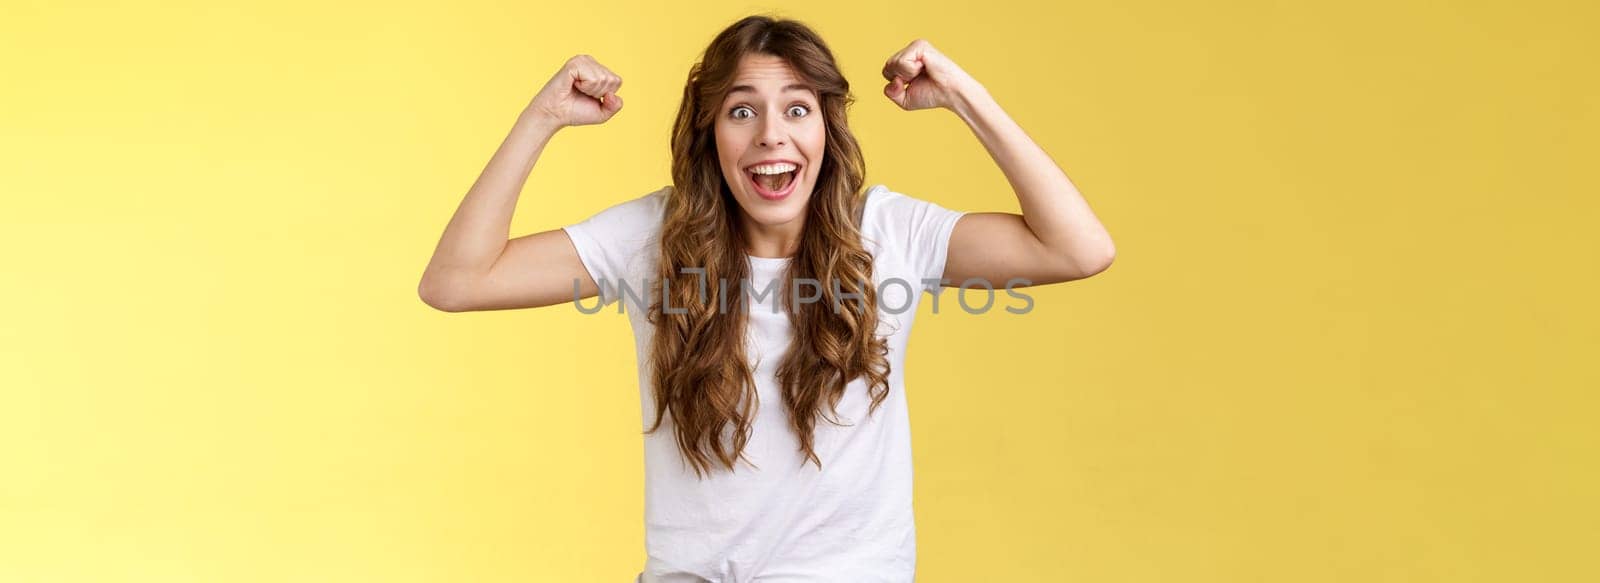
[1350, 333]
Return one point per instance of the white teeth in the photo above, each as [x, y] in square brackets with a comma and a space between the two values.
[778, 168]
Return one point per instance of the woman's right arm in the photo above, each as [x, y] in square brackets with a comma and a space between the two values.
[475, 267]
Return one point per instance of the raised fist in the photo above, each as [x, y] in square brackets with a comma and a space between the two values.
[583, 92]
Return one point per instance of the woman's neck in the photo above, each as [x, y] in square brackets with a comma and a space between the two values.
[773, 240]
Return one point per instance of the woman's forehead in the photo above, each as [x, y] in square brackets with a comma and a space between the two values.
[766, 74]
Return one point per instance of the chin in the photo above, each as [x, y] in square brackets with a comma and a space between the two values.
[775, 212]
[777, 216]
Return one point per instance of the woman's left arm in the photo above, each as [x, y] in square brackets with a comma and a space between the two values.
[1056, 238]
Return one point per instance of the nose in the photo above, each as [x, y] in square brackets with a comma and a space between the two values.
[771, 135]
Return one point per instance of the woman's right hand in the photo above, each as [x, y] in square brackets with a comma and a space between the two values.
[573, 97]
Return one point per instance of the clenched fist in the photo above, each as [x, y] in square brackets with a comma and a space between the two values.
[583, 92]
[921, 77]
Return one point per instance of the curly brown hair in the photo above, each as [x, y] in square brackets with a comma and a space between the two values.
[700, 371]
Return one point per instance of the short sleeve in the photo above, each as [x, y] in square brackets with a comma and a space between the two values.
[916, 230]
[617, 245]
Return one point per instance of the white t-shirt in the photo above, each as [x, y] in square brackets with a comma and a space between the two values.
[786, 521]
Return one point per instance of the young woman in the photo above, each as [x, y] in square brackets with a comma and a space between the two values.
[776, 437]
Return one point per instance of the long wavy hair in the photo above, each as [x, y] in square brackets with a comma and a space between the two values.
[701, 375]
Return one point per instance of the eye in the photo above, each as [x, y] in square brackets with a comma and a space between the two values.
[804, 109]
[735, 112]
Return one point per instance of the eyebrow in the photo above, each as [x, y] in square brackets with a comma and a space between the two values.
[749, 89]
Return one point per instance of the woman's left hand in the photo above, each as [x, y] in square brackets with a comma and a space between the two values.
[921, 77]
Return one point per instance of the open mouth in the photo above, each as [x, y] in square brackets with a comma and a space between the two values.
[774, 181]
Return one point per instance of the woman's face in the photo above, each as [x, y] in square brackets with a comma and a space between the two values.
[770, 115]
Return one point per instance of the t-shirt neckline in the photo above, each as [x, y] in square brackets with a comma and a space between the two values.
[767, 261]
